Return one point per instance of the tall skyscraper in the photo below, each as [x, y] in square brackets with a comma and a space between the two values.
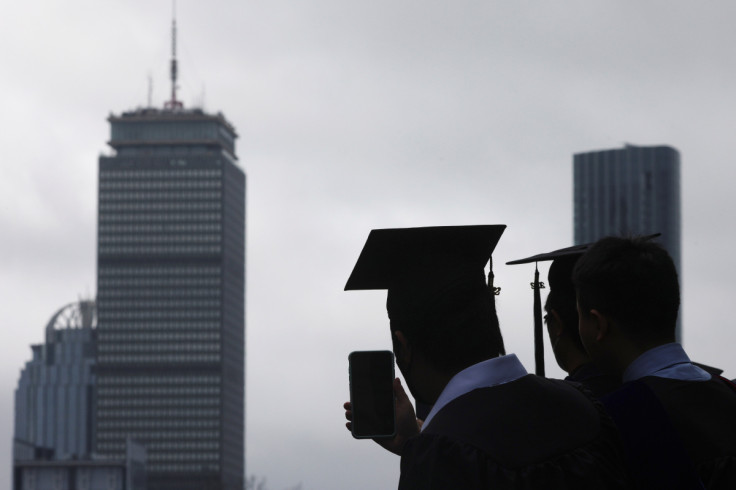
[170, 289]
[631, 190]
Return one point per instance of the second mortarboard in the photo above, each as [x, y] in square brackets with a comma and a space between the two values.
[425, 270]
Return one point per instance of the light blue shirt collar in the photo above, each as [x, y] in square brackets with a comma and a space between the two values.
[492, 372]
[665, 361]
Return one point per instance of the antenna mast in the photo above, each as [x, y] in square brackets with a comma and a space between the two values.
[150, 90]
[173, 103]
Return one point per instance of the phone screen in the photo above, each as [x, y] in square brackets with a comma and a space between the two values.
[372, 394]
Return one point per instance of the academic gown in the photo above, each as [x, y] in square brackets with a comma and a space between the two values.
[678, 431]
[677, 421]
[594, 379]
[530, 433]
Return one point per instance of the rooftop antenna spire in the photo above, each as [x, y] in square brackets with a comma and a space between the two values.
[150, 90]
[173, 103]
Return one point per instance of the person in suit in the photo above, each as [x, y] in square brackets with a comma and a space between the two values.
[677, 419]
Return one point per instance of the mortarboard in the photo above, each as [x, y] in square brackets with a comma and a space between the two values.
[426, 270]
[560, 278]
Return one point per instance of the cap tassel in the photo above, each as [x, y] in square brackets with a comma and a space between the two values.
[538, 334]
[495, 292]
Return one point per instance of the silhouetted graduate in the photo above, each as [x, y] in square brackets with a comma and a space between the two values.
[492, 425]
[677, 420]
[562, 321]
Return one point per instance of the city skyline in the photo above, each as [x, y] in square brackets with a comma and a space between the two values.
[355, 117]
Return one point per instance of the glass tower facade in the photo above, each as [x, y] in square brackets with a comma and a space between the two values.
[171, 298]
[633, 190]
[53, 399]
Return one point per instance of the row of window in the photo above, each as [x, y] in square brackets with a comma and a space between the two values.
[165, 218]
[159, 270]
[104, 316]
[184, 445]
[106, 207]
[154, 380]
[158, 130]
[158, 337]
[159, 281]
[158, 304]
[161, 184]
[161, 391]
[158, 358]
[111, 476]
[213, 292]
[117, 450]
[203, 456]
[152, 435]
[213, 149]
[159, 402]
[178, 326]
[103, 413]
[158, 173]
[159, 424]
[159, 195]
[161, 228]
[169, 347]
[183, 468]
[160, 250]
[156, 239]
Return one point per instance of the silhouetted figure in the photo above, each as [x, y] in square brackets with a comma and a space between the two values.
[492, 425]
[677, 420]
[562, 321]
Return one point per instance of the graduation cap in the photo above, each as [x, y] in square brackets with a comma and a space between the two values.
[560, 279]
[426, 270]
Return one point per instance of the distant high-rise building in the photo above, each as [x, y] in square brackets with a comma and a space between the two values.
[53, 400]
[52, 443]
[633, 190]
[170, 287]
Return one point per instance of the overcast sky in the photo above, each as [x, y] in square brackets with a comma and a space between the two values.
[353, 116]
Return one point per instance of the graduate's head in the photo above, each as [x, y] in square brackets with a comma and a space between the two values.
[438, 298]
[561, 315]
[561, 298]
[632, 284]
[455, 330]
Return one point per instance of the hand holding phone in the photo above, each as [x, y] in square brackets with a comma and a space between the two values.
[407, 425]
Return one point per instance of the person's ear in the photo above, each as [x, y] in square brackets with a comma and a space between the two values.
[554, 324]
[402, 349]
[601, 325]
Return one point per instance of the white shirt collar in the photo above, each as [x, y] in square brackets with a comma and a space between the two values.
[665, 361]
[492, 372]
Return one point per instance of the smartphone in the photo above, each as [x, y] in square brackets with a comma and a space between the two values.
[372, 394]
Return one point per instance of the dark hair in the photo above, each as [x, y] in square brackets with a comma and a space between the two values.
[634, 282]
[564, 303]
[453, 339]
[562, 298]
